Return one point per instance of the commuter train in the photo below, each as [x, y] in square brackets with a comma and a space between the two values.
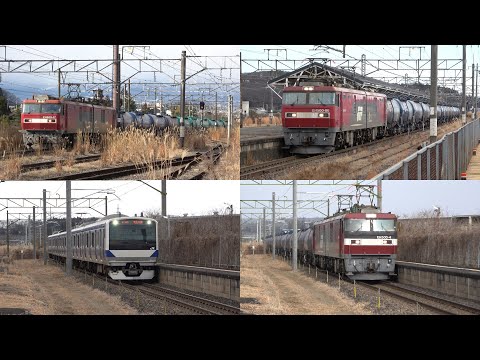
[361, 245]
[47, 121]
[123, 248]
[321, 119]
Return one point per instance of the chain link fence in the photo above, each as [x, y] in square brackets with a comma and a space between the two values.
[445, 159]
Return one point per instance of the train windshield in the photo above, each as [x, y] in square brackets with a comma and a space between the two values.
[132, 234]
[322, 98]
[310, 98]
[356, 227]
[42, 108]
[294, 98]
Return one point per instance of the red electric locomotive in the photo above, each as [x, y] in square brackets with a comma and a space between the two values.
[361, 245]
[47, 120]
[320, 119]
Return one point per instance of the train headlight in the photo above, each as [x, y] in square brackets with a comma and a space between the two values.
[149, 222]
[115, 222]
[291, 115]
[389, 261]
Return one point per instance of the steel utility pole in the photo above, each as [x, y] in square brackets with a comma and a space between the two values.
[69, 227]
[216, 107]
[295, 235]
[273, 224]
[464, 83]
[27, 227]
[379, 194]
[433, 94]
[264, 232]
[182, 98]
[476, 90]
[34, 237]
[116, 79]
[473, 91]
[44, 227]
[241, 98]
[59, 82]
[129, 96]
[164, 197]
[229, 118]
[8, 239]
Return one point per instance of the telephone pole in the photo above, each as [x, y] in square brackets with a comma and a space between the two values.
[182, 98]
[433, 94]
[464, 83]
[273, 225]
[295, 235]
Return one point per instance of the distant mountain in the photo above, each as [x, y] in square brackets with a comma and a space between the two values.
[255, 90]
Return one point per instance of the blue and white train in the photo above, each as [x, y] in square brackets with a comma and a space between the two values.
[124, 248]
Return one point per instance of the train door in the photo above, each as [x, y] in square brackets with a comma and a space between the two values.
[102, 245]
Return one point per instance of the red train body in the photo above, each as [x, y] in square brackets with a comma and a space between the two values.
[319, 119]
[362, 246]
[47, 120]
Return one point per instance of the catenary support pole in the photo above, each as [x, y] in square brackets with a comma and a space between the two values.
[295, 235]
[433, 94]
[69, 227]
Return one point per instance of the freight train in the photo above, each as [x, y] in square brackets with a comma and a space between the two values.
[321, 119]
[47, 121]
[361, 245]
[123, 248]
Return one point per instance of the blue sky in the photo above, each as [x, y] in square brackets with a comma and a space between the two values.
[24, 85]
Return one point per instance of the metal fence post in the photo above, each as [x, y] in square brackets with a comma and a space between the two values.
[428, 163]
[419, 166]
[437, 162]
[405, 170]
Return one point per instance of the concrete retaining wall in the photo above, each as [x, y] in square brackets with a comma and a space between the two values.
[217, 282]
[459, 282]
[261, 150]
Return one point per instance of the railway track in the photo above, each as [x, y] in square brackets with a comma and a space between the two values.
[270, 168]
[192, 303]
[195, 302]
[125, 170]
[52, 163]
[426, 301]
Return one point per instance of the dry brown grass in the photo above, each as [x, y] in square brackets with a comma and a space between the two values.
[203, 241]
[83, 145]
[432, 240]
[262, 121]
[11, 168]
[228, 167]
[10, 137]
[280, 291]
[139, 146]
[47, 290]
